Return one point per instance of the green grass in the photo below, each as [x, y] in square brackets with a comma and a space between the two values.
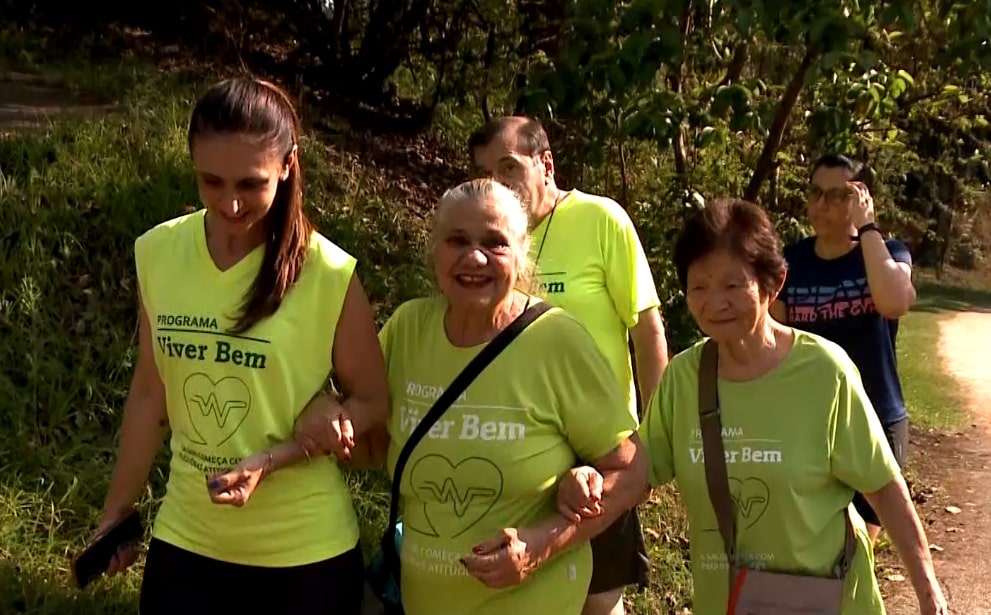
[932, 396]
[39, 531]
[665, 535]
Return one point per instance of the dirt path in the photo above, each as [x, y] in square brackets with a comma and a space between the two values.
[957, 511]
[30, 101]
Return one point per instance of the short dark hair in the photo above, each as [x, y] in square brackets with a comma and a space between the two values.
[739, 226]
[532, 138]
[857, 170]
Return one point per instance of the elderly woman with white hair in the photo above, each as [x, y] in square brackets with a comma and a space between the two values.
[481, 532]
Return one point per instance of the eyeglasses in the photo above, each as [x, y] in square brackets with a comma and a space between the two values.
[833, 196]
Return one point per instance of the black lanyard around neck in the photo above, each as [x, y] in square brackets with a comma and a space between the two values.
[543, 238]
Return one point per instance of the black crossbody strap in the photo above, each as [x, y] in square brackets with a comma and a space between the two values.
[447, 398]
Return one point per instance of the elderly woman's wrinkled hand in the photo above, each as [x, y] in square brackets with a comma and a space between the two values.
[325, 427]
[507, 559]
[935, 602]
[579, 494]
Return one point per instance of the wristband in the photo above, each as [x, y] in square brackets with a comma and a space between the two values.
[870, 226]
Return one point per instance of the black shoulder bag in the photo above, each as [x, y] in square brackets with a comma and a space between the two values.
[382, 595]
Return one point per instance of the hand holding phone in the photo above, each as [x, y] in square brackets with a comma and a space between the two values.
[112, 550]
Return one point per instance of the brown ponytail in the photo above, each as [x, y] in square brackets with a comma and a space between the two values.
[261, 109]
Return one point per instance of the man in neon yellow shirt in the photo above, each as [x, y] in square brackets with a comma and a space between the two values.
[590, 262]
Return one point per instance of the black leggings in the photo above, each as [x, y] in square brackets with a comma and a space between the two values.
[177, 582]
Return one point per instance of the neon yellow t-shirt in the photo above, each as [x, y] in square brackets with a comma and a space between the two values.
[229, 396]
[798, 442]
[493, 460]
[593, 265]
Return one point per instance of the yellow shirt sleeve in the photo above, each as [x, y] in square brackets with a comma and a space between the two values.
[628, 277]
[593, 409]
[859, 453]
[656, 430]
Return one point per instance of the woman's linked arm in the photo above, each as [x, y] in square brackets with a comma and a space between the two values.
[510, 557]
[332, 424]
[360, 364]
[340, 424]
[624, 484]
[328, 424]
[367, 451]
[370, 450]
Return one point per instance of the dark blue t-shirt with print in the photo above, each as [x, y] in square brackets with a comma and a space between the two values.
[831, 298]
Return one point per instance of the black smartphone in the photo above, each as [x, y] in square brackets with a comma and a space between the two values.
[94, 560]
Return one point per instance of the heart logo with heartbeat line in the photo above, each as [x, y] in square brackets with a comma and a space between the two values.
[216, 410]
[455, 496]
[751, 498]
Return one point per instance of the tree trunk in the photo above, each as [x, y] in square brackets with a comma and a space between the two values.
[386, 43]
[542, 23]
[623, 177]
[678, 143]
[772, 201]
[765, 164]
[675, 84]
[453, 33]
[490, 48]
[340, 18]
[739, 61]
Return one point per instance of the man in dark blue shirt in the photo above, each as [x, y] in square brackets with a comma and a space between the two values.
[849, 285]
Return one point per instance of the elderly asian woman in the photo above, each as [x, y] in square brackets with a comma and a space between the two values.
[797, 434]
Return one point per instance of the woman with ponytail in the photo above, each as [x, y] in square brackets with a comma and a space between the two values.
[245, 310]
